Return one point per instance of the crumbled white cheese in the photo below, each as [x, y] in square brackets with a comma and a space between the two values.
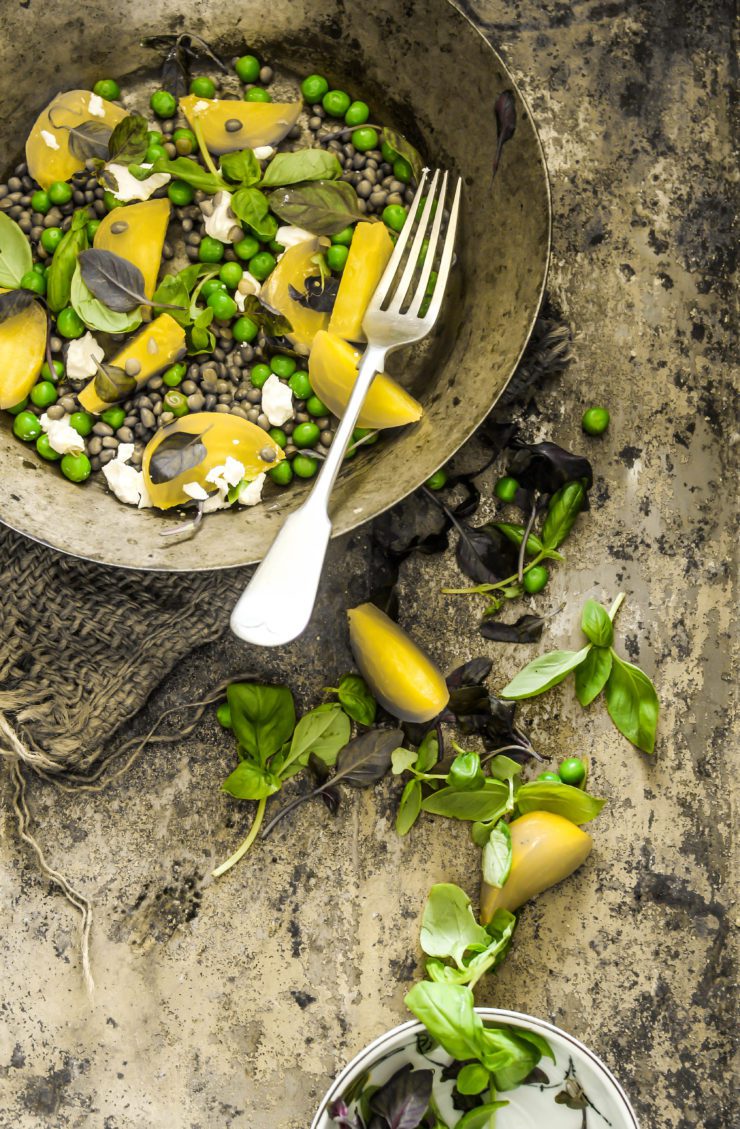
[217, 501]
[127, 187]
[195, 490]
[263, 152]
[82, 356]
[222, 220]
[277, 401]
[200, 106]
[290, 235]
[49, 139]
[62, 436]
[229, 474]
[95, 106]
[126, 482]
[250, 493]
[248, 285]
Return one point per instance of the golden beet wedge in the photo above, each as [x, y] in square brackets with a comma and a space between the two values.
[137, 233]
[156, 347]
[215, 437]
[401, 676]
[259, 123]
[546, 848]
[332, 368]
[295, 266]
[49, 154]
[369, 252]
[22, 347]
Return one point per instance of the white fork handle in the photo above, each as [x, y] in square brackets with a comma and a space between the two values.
[277, 603]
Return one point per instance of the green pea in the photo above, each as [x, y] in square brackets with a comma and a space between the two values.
[246, 247]
[300, 385]
[82, 422]
[60, 192]
[231, 275]
[248, 68]
[388, 154]
[40, 202]
[114, 417]
[18, 408]
[202, 86]
[176, 403]
[26, 427]
[306, 435]
[110, 201]
[283, 366]
[154, 137]
[44, 394]
[278, 435]
[357, 114]
[75, 467]
[163, 103]
[506, 489]
[367, 433]
[316, 407]
[180, 193]
[536, 579]
[394, 216]
[185, 134]
[343, 237]
[275, 247]
[551, 776]
[45, 449]
[154, 153]
[201, 340]
[262, 265]
[572, 771]
[304, 466]
[107, 88]
[223, 715]
[245, 329]
[69, 323]
[336, 257]
[32, 280]
[259, 374]
[364, 139]
[257, 94]
[54, 373]
[210, 250]
[211, 286]
[437, 480]
[51, 238]
[314, 87]
[174, 375]
[91, 227]
[336, 103]
[282, 474]
[222, 304]
[595, 421]
[402, 170]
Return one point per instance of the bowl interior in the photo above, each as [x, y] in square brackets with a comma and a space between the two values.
[408, 53]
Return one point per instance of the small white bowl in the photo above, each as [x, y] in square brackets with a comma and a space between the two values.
[530, 1106]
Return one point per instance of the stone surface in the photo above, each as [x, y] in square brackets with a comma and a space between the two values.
[232, 1004]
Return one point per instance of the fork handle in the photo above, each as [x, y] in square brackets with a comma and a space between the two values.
[277, 603]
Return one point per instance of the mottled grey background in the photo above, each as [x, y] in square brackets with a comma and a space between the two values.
[232, 1004]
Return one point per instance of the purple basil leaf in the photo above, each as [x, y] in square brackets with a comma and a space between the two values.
[470, 673]
[404, 1099]
[505, 110]
[527, 629]
[339, 1110]
[545, 467]
[485, 555]
[319, 294]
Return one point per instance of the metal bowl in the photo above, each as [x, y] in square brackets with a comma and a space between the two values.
[428, 72]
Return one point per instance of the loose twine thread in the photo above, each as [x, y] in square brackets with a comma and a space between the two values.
[81, 661]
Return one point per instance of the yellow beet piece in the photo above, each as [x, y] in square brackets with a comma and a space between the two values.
[48, 150]
[401, 676]
[332, 368]
[156, 347]
[261, 123]
[546, 848]
[294, 268]
[22, 346]
[222, 436]
[369, 252]
[142, 239]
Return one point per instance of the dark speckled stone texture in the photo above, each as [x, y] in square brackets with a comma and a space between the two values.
[232, 1004]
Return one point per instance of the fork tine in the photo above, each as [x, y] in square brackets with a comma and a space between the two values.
[426, 271]
[381, 290]
[446, 261]
[410, 268]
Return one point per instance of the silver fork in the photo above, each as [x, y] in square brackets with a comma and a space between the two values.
[277, 603]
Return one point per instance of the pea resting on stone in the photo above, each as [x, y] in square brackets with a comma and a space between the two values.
[595, 421]
[437, 480]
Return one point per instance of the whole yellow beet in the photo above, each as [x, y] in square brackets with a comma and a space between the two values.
[546, 848]
[401, 676]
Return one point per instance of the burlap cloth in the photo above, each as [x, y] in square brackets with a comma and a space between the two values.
[77, 666]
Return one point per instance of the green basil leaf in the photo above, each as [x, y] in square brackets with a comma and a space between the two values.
[515, 534]
[409, 807]
[305, 164]
[543, 673]
[538, 1041]
[427, 754]
[173, 291]
[564, 508]
[262, 717]
[242, 167]
[323, 207]
[508, 1056]
[250, 206]
[504, 768]
[323, 732]
[97, 316]
[473, 1079]
[356, 699]
[182, 168]
[405, 149]
[249, 781]
[448, 1013]
[448, 927]
[560, 799]
[483, 957]
[128, 142]
[592, 674]
[15, 253]
[596, 625]
[402, 760]
[632, 703]
[486, 803]
[64, 262]
[482, 1117]
[497, 856]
